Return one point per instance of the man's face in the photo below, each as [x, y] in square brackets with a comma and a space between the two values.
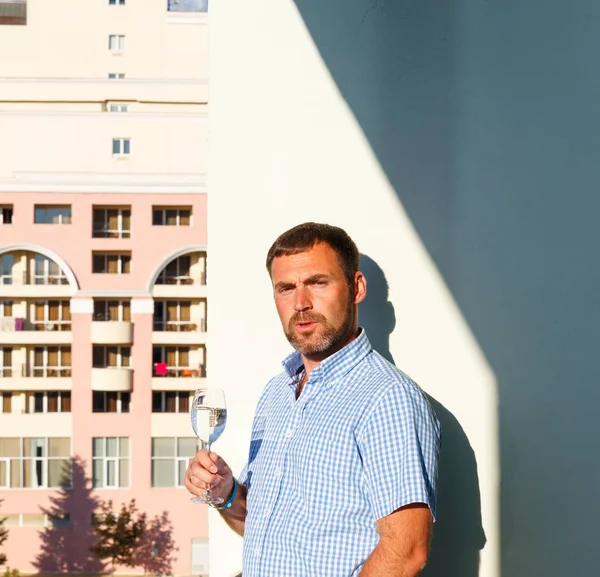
[316, 307]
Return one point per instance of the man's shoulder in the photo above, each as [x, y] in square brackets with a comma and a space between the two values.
[378, 378]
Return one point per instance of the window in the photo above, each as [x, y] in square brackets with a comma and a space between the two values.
[13, 12]
[200, 557]
[52, 362]
[111, 263]
[175, 362]
[6, 308]
[5, 361]
[173, 316]
[170, 457]
[171, 401]
[116, 2]
[111, 222]
[116, 42]
[47, 272]
[6, 214]
[110, 462]
[105, 357]
[6, 402]
[48, 402]
[171, 216]
[117, 108]
[38, 520]
[178, 271]
[110, 402]
[115, 75]
[112, 311]
[52, 214]
[52, 316]
[35, 462]
[121, 146]
[187, 5]
[6, 267]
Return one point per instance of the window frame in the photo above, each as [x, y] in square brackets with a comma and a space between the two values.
[163, 402]
[5, 210]
[46, 370]
[120, 262]
[119, 356]
[105, 316]
[177, 461]
[6, 370]
[106, 232]
[30, 401]
[119, 44]
[123, 148]
[43, 460]
[62, 323]
[62, 219]
[163, 210]
[117, 459]
[119, 402]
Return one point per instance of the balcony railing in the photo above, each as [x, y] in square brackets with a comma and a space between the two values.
[28, 371]
[105, 232]
[182, 279]
[107, 318]
[33, 279]
[161, 370]
[10, 324]
[198, 325]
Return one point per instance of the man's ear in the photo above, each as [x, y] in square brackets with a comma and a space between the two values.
[360, 287]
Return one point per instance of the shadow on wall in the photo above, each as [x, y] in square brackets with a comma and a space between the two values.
[65, 544]
[458, 533]
[484, 117]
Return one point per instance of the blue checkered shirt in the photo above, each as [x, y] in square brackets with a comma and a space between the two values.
[360, 442]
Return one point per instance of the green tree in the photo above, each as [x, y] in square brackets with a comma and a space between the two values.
[119, 534]
[3, 537]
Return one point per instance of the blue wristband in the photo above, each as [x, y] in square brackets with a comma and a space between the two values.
[229, 501]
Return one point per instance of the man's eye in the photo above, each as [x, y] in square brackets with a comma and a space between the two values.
[321, 282]
[284, 290]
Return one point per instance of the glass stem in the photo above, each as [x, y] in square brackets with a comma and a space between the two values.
[207, 495]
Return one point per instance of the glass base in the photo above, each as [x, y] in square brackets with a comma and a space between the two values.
[207, 499]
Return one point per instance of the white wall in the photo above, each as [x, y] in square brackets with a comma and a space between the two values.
[301, 155]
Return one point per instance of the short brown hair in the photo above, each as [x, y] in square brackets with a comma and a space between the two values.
[304, 236]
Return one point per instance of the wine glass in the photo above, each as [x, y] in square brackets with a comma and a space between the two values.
[209, 416]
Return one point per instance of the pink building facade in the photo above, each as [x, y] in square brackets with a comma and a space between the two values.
[103, 339]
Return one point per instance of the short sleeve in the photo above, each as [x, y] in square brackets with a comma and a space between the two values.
[399, 447]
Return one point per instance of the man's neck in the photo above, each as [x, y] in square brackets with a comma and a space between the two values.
[313, 361]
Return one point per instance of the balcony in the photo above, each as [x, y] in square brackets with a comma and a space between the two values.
[112, 333]
[31, 285]
[191, 332]
[112, 379]
[35, 378]
[190, 285]
[20, 331]
[169, 378]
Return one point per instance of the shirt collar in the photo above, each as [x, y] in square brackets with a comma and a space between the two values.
[335, 366]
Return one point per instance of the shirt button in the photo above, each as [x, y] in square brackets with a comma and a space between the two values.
[290, 433]
[278, 473]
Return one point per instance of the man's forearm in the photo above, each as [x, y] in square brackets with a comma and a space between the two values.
[235, 516]
[384, 561]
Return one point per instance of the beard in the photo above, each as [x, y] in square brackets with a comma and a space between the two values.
[318, 341]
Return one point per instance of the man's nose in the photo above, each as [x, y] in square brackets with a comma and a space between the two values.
[302, 300]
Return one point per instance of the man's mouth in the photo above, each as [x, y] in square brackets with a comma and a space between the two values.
[304, 326]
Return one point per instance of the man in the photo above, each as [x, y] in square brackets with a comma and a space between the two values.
[342, 468]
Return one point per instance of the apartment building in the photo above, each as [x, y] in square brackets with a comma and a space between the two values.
[103, 302]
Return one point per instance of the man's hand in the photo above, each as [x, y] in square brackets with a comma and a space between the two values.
[209, 471]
